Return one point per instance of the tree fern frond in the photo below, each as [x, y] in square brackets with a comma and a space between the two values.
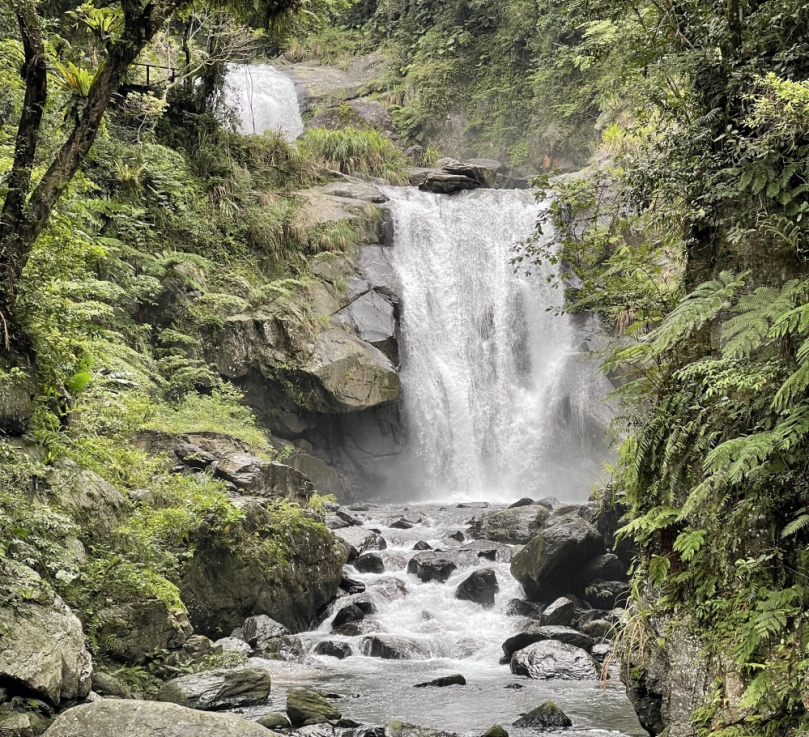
[799, 523]
[698, 308]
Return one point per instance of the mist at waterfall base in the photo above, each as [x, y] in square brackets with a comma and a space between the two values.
[264, 100]
[500, 399]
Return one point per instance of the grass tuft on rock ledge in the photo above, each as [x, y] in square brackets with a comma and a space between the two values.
[358, 152]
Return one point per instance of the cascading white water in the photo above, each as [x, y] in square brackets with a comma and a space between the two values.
[496, 394]
[264, 98]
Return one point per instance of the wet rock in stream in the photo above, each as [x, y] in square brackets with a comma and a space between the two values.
[393, 647]
[479, 587]
[550, 659]
[456, 680]
[305, 707]
[546, 716]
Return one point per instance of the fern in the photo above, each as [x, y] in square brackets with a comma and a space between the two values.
[697, 309]
[797, 525]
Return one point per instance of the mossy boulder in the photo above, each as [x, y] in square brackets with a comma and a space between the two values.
[305, 706]
[554, 559]
[291, 584]
[42, 644]
[545, 716]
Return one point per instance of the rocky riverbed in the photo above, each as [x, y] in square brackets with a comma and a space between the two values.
[430, 627]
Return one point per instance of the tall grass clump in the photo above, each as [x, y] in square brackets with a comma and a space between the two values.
[355, 151]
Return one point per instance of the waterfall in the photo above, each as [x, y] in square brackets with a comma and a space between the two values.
[264, 99]
[498, 398]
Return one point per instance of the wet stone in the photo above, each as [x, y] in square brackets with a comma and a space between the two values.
[370, 563]
[456, 680]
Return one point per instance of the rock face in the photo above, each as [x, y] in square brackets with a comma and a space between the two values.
[550, 659]
[42, 648]
[480, 587]
[132, 630]
[218, 689]
[433, 566]
[324, 86]
[309, 707]
[548, 564]
[392, 647]
[264, 478]
[116, 717]
[515, 526]
[221, 588]
[546, 716]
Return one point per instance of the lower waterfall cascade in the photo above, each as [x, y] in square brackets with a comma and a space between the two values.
[264, 100]
[499, 399]
[439, 635]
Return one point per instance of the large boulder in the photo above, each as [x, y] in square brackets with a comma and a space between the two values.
[360, 540]
[305, 706]
[479, 587]
[257, 630]
[393, 647]
[440, 182]
[130, 631]
[433, 566]
[283, 365]
[218, 689]
[516, 526]
[489, 550]
[42, 645]
[333, 648]
[485, 174]
[553, 560]
[222, 587]
[370, 563]
[560, 612]
[537, 633]
[117, 717]
[607, 567]
[550, 659]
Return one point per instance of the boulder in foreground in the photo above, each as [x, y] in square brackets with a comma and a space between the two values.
[118, 717]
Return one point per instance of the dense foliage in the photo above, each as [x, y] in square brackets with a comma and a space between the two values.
[691, 242]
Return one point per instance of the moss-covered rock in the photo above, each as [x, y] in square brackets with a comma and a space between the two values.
[305, 706]
[293, 571]
[545, 716]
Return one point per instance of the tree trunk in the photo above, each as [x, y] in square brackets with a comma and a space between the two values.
[23, 218]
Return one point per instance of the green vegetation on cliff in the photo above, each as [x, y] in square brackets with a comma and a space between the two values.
[692, 243]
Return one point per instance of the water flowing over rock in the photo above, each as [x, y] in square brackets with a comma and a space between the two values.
[264, 98]
[391, 647]
[116, 717]
[537, 633]
[495, 394]
[551, 659]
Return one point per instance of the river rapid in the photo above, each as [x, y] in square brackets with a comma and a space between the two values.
[461, 637]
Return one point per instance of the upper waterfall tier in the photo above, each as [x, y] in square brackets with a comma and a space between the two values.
[265, 99]
[499, 398]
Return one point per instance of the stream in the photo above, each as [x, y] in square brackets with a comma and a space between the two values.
[461, 638]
